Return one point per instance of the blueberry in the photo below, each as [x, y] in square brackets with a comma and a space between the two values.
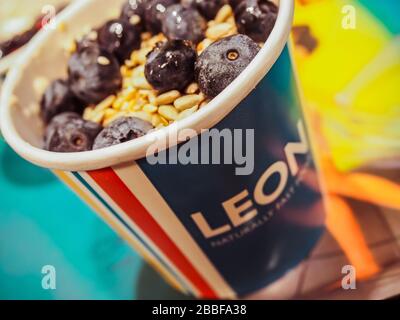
[256, 18]
[133, 8]
[208, 8]
[222, 62]
[234, 3]
[88, 40]
[154, 12]
[120, 38]
[68, 132]
[58, 98]
[183, 23]
[170, 65]
[94, 74]
[121, 130]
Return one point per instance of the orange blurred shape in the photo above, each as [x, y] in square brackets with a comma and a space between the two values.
[343, 226]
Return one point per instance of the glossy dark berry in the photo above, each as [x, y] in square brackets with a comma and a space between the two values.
[94, 74]
[170, 65]
[256, 18]
[121, 130]
[85, 42]
[154, 11]
[208, 8]
[120, 38]
[222, 62]
[68, 132]
[133, 8]
[58, 98]
[234, 3]
[183, 23]
[88, 40]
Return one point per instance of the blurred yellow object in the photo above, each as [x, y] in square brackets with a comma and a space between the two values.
[351, 79]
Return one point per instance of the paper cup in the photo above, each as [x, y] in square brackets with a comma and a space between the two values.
[211, 232]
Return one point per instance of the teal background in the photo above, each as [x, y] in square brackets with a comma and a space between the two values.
[44, 223]
[387, 11]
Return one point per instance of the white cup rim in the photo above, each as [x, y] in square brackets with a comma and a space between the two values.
[204, 118]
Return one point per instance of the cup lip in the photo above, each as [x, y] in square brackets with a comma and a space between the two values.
[204, 118]
[8, 60]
